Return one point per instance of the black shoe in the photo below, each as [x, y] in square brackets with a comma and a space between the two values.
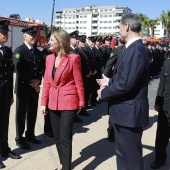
[92, 104]
[84, 113]
[2, 165]
[97, 102]
[77, 119]
[89, 107]
[23, 145]
[13, 155]
[49, 134]
[33, 140]
[111, 138]
[157, 165]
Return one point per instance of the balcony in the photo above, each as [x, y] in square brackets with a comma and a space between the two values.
[94, 24]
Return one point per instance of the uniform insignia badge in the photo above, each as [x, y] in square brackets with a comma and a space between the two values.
[112, 54]
[17, 55]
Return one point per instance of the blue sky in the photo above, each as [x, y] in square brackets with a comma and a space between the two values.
[42, 9]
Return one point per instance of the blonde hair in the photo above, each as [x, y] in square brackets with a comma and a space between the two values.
[64, 39]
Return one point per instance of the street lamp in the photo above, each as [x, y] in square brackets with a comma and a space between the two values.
[52, 15]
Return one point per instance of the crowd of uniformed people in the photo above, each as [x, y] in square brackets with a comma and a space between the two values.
[29, 64]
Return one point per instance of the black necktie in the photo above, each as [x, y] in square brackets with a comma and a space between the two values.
[32, 50]
[2, 49]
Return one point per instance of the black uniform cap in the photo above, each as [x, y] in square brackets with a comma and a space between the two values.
[30, 30]
[107, 38]
[74, 34]
[82, 38]
[4, 25]
[92, 38]
[99, 38]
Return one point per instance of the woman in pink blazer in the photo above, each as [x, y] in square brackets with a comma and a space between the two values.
[63, 92]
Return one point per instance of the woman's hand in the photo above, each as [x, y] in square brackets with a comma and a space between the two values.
[78, 111]
[43, 110]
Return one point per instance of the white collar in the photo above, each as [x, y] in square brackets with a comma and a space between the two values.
[29, 47]
[131, 41]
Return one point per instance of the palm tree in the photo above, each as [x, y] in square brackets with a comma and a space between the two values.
[165, 18]
[152, 24]
[144, 19]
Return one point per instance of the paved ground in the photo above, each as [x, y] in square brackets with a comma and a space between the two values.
[91, 150]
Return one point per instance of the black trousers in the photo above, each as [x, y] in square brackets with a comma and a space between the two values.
[128, 148]
[162, 137]
[4, 124]
[47, 123]
[26, 108]
[62, 125]
[110, 129]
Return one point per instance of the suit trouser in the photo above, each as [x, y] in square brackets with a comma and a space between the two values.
[62, 124]
[162, 137]
[47, 122]
[110, 129]
[26, 105]
[4, 124]
[128, 148]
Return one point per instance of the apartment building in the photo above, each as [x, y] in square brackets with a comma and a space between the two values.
[91, 20]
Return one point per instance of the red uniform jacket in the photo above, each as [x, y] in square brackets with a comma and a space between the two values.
[66, 90]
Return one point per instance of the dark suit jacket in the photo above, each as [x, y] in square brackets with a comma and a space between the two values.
[92, 58]
[163, 92]
[28, 66]
[115, 54]
[6, 78]
[84, 61]
[128, 90]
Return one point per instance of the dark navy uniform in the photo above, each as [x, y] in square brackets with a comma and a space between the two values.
[74, 35]
[85, 67]
[163, 125]
[6, 96]
[47, 122]
[99, 60]
[108, 72]
[106, 49]
[93, 66]
[28, 67]
[6, 92]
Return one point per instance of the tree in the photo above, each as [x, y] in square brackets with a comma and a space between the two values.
[144, 19]
[152, 24]
[165, 18]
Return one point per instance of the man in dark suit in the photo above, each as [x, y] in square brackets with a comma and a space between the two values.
[29, 70]
[127, 93]
[6, 92]
[162, 106]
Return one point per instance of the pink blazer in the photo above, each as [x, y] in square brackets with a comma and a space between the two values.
[66, 90]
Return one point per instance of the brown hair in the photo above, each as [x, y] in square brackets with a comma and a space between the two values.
[64, 39]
